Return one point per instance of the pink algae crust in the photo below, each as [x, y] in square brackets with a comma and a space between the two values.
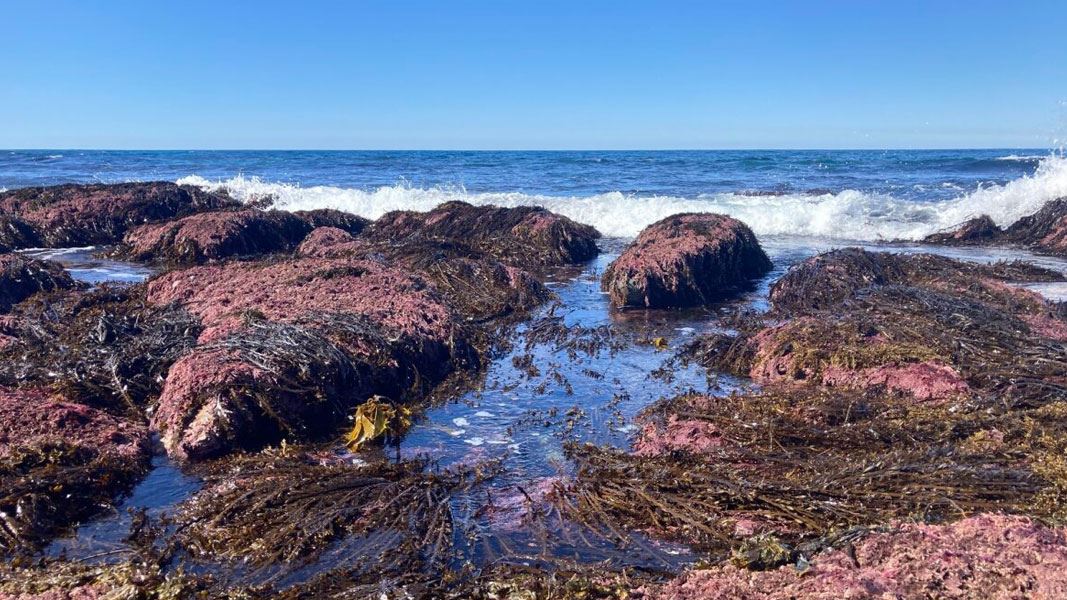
[285, 290]
[35, 417]
[987, 556]
[685, 260]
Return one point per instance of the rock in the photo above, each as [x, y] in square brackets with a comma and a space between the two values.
[290, 347]
[16, 234]
[89, 214]
[215, 235]
[977, 231]
[1044, 231]
[526, 237]
[477, 286]
[985, 556]
[328, 217]
[829, 278]
[22, 277]
[686, 260]
[60, 462]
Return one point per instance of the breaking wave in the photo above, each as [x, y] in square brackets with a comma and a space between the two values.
[848, 214]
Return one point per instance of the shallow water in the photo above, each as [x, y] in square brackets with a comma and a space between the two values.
[523, 416]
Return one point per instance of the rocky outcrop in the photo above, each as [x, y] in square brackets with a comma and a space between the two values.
[986, 556]
[60, 462]
[216, 235]
[1044, 231]
[22, 277]
[89, 214]
[290, 347]
[526, 237]
[686, 260]
[16, 234]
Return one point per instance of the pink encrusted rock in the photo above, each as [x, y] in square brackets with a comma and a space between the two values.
[215, 235]
[686, 260]
[992, 557]
[284, 290]
[1043, 231]
[924, 381]
[336, 219]
[290, 347]
[84, 215]
[35, 417]
[693, 436]
[22, 277]
[330, 242]
[524, 236]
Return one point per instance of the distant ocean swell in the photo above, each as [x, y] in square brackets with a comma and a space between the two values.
[848, 214]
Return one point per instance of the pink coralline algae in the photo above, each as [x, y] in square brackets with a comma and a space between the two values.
[83, 215]
[677, 434]
[222, 295]
[22, 277]
[35, 418]
[990, 556]
[686, 260]
[216, 235]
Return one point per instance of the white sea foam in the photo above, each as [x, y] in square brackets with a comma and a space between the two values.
[848, 214]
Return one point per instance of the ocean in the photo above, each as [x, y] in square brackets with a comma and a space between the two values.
[836, 195]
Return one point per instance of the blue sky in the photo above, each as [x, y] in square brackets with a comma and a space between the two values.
[501, 74]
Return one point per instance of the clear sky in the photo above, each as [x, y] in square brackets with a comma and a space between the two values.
[501, 74]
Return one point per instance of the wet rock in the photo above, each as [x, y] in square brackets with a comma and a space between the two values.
[89, 214]
[22, 277]
[686, 260]
[526, 237]
[975, 232]
[1043, 231]
[16, 234]
[986, 556]
[60, 462]
[216, 235]
[328, 217]
[290, 347]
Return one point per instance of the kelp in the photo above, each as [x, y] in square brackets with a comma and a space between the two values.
[279, 511]
[105, 347]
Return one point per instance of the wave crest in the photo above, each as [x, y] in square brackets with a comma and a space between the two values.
[849, 214]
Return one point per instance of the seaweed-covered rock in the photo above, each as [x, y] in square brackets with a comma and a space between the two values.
[686, 260]
[477, 286]
[1043, 231]
[88, 214]
[215, 235]
[22, 277]
[106, 347]
[829, 278]
[290, 347]
[975, 232]
[59, 463]
[986, 556]
[328, 217]
[525, 236]
[16, 234]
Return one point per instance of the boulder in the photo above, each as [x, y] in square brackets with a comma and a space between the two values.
[527, 237]
[1044, 231]
[290, 347]
[975, 232]
[686, 260]
[89, 214]
[215, 235]
[22, 277]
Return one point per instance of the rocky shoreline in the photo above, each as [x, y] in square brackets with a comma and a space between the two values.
[895, 409]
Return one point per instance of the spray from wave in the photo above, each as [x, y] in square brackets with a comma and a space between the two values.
[849, 214]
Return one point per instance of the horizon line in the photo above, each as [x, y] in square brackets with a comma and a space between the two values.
[753, 149]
